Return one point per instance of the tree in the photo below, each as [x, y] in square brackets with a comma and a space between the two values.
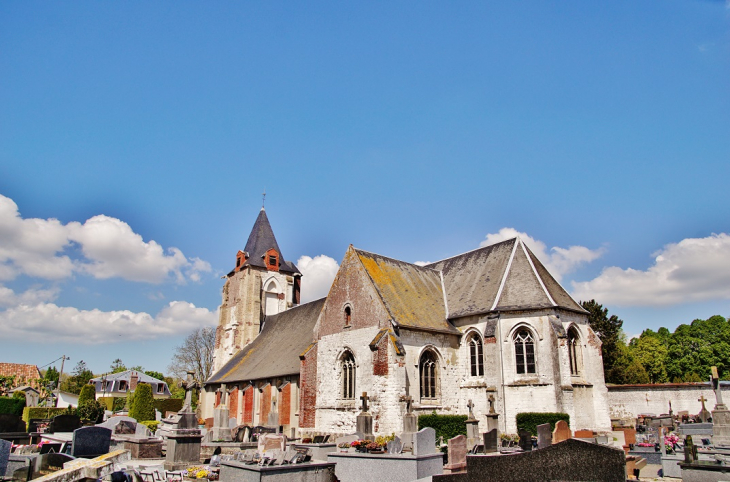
[154, 374]
[87, 394]
[652, 354]
[89, 409]
[608, 329]
[195, 354]
[117, 366]
[80, 378]
[51, 375]
[142, 409]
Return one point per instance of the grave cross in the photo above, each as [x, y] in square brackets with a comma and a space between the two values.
[491, 403]
[715, 380]
[703, 400]
[409, 400]
[364, 399]
[471, 406]
[189, 385]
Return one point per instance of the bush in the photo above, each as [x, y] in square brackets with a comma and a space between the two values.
[19, 395]
[168, 405]
[90, 412]
[12, 406]
[142, 405]
[41, 412]
[448, 426]
[113, 404]
[530, 420]
[151, 424]
[88, 393]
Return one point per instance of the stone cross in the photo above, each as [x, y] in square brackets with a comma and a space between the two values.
[471, 406]
[490, 399]
[409, 400]
[189, 385]
[715, 380]
[224, 392]
[364, 399]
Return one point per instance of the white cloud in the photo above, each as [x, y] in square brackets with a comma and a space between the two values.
[46, 322]
[558, 261]
[318, 274]
[32, 296]
[108, 248]
[695, 269]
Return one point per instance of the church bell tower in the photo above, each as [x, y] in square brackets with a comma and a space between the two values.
[261, 284]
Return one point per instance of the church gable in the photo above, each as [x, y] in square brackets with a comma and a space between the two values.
[522, 289]
[352, 302]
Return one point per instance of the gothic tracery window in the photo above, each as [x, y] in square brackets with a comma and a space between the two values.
[524, 352]
[573, 350]
[476, 356]
[348, 375]
[428, 372]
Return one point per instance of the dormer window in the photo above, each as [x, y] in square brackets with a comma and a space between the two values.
[272, 260]
[122, 386]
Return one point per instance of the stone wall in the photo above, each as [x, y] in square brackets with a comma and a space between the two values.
[626, 402]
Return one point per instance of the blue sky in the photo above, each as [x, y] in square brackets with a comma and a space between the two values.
[418, 130]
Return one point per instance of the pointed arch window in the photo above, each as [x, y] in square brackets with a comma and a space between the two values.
[476, 356]
[348, 315]
[348, 375]
[428, 371]
[573, 351]
[524, 352]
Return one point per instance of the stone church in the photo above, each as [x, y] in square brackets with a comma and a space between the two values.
[489, 324]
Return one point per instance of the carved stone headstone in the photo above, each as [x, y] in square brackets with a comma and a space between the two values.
[125, 427]
[720, 415]
[395, 446]
[544, 436]
[457, 453]
[271, 441]
[525, 440]
[364, 421]
[424, 442]
[91, 442]
[5, 447]
[561, 432]
[491, 441]
[704, 413]
[64, 423]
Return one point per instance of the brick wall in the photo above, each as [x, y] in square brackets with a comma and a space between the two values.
[265, 404]
[248, 405]
[285, 405]
[308, 389]
[233, 403]
[380, 356]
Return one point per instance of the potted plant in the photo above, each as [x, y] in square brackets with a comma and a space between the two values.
[344, 446]
[374, 448]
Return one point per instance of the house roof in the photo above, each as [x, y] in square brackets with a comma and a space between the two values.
[260, 241]
[505, 276]
[412, 294]
[23, 373]
[275, 352]
[126, 375]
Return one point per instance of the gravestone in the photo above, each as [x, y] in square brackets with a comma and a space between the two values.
[64, 423]
[125, 427]
[457, 453]
[395, 446]
[720, 415]
[220, 429]
[704, 413]
[525, 440]
[584, 434]
[472, 427]
[424, 442]
[11, 423]
[318, 439]
[271, 441]
[544, 436]
[410, 420]
[47, 463]
[364, 421]
[183, 442]
[89, 442]
[19, 467]
[561, 432]
[5, 447]
[491, 441]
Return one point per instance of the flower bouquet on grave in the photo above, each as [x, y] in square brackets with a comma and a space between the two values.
[374, 448]
[361, 445]
[671, 440]
[344, 446]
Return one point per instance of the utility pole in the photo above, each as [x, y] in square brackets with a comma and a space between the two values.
[60, 375]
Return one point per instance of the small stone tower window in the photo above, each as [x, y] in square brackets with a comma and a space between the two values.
[348, 315]
[524, 352]
[428, 371]
[348, 375]
[476, 356]
[573, 350]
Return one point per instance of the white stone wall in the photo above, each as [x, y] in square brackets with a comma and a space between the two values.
[626, 402]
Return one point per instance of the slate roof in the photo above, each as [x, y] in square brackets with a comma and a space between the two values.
[260, 241]
[505, 276]
[412, 294]
[127, 375]
[275, 352]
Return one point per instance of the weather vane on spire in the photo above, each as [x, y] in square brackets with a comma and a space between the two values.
[263, 201]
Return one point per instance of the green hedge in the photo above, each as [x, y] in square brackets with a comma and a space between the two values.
[530, 420]
[113, 404]
[41, 412]
[168, 404]
[151, 424]
[142, 408]
[448, 426]
[12, 406]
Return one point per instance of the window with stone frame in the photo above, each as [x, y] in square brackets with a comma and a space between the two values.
[429, 375]
[476, 356]
[524, 352]
[348, 375]
[574, 351]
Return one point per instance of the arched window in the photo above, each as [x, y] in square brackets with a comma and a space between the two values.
[348, 375]
[524, 352]
[348, 315]
[428, 371]
[476, 356]
[272, 299]
[573, 350]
